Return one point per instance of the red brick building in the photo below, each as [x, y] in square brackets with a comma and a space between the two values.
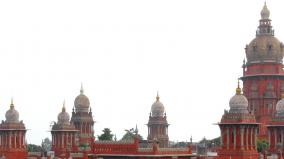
[13, 136]
[276, 130]
[64, 135]
[238, 130]
[263, 76]
[82, 119]
[158, 124]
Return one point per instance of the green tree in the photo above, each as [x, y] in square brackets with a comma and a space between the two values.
[262, 145]
[130, 135]
[106, 135]
[34, 148]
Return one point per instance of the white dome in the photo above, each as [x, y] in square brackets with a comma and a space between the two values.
[12, 115]
[82, 102]
[280, 106]
[63, 117]
[157, 108]
[238, 103]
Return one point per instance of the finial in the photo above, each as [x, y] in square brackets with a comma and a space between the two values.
[12, 103]
[265, 12]
[82, 90]
[63, 108]
[238, 90]
[157, 98]
[136, 130]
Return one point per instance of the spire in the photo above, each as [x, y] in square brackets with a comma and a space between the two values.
[157, 97]
[265, 12]
[82, 89]
[12, 103]
[238, 90]
[136, 130]
[63, 108]
[265, 27]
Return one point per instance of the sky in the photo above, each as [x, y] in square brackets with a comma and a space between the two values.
[124, 51]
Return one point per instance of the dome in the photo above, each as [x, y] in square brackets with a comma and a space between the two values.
[280, 106]
[157, 108]
[82, 102]
[264, 49]
[12, 115]
[265, 12]
[238, 103]
[63, 117]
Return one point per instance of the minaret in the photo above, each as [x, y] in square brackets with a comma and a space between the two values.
[83, 121]
[238, 130]
[13, 135]
[64, 139]
[158, 124]
[263, 76]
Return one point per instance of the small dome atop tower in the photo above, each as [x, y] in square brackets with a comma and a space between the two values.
[63, 117]
[265, 12]
[238, 103]
[82, 102]
[12, 115]
[157, 108]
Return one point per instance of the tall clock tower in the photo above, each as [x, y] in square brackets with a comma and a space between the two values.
[263, 76]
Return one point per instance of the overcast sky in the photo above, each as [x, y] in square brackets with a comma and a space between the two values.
[124, 51]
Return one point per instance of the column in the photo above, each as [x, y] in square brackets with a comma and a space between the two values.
[247, 131]
[23, 139]
[167, 130]
[255, 138]
[228, 138]
[67, 138]
[71, 139]
[242, 137]
[251, 138]
[235, 137]
[281, 133]
[221, 138]
[10, 142]
[275, 138]
[62, 139]
[20, 139]
[15, 139]
[269, 136]
[52, 139]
